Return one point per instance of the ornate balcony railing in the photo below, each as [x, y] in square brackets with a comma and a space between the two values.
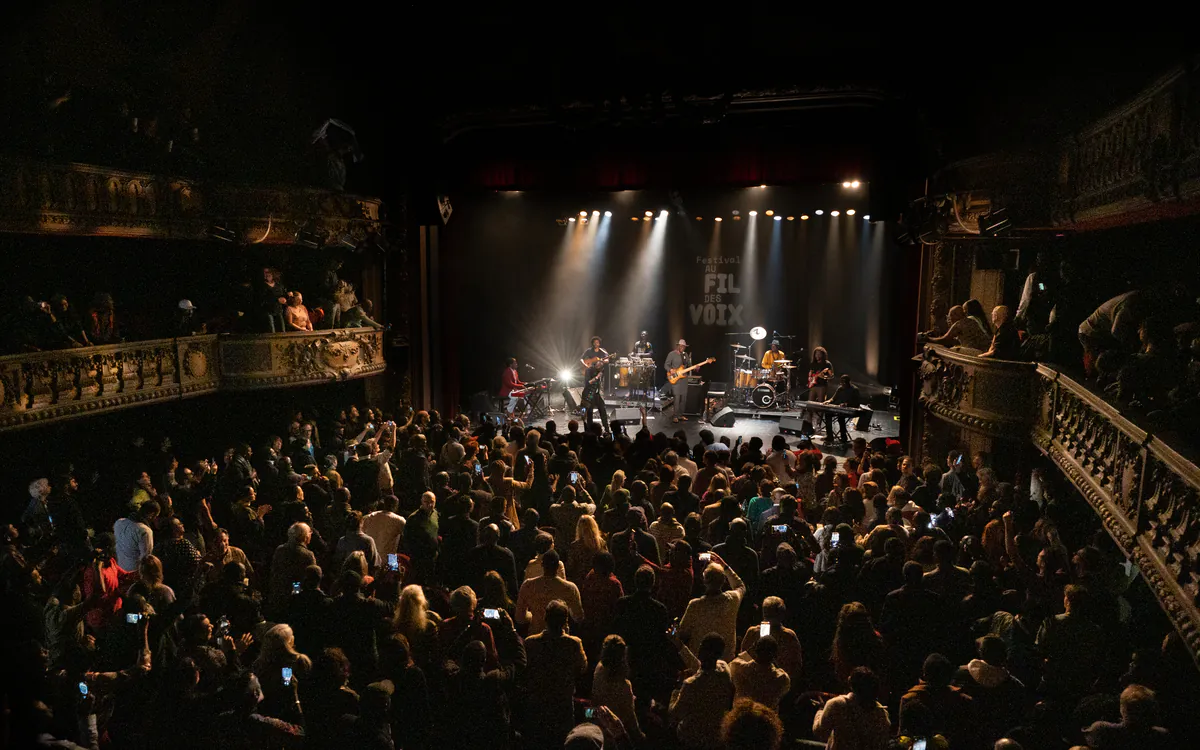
[991, 396]
[1145, 493]
[43, 387]
[89, 200]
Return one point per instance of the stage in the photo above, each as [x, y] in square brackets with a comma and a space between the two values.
[749, 423]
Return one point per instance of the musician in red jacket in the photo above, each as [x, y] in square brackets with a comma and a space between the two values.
[510, 382]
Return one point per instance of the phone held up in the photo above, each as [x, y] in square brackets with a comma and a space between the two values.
[393, 562]
[491, 614]
[287, 675]
[764, 629]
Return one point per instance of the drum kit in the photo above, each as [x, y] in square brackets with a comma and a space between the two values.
[757, 386]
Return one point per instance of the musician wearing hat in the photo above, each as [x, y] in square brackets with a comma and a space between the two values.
[676, 358]
[773, 354]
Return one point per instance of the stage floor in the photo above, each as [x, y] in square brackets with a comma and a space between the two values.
[883, 424]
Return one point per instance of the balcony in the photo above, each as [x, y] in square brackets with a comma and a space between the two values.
[43, 387]
[1146, 494]
[89, 200]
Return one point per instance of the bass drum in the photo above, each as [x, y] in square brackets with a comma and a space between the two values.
[763, 396]
[744, 379]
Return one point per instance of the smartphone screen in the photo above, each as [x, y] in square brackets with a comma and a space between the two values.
[132, 618]
[393, 562]
[764, 629]
[83, 688]
[287, 675]
[491, 614]
[705, 557]
[835, 538]
[574, 477]
[478, 468]
[590, 713]
[223, 627]
[780, 528]
[918, 744]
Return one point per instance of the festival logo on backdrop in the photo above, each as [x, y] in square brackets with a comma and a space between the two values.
[721, 304]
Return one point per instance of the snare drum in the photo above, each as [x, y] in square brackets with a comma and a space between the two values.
[764, 375]
[744, 379]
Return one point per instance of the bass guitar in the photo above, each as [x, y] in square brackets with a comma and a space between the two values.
[813, 375]
[674, 376]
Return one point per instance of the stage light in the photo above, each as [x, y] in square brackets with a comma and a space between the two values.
[846, 184]
[791, 218]
[583, 221]
[854, 183]
[803, 217]
[583, 213]
[561, 222]
[565, 375]
[866, 217]
[769, 212]
[699, 218]
[849, 211]
[835, 213]
[717, 219]
[762, 186]
[634, 218]
[754, 213]
[778, 218]
[595, 212]
[735, 212]
[819, 212]
[572, 219]
[664, 214]
[649, 213]
[737, 218]
[607, 213]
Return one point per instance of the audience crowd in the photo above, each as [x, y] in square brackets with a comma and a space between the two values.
[434, 583]
[261, 305]
[1141, 347]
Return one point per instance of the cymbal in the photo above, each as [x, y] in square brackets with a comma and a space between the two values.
[789, 367]
[783, 362]
[744, 356]
[758, 333]
[738, 346]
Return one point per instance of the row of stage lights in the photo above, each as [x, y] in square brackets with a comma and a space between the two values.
[649, 215]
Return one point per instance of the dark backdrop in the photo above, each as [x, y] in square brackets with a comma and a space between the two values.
[520, 281]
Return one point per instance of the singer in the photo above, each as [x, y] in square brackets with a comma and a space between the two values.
[509, 382]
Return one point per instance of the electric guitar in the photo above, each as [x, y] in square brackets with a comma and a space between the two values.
[813, 375]
[674, 376]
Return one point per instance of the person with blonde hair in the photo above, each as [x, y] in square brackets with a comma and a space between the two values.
[609, 499]
[587, 544]
[161, 596]
[417, 623]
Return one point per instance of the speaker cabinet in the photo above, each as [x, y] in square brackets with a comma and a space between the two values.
[790, 424]
[724, 418]
[864, 420]
[626, 416]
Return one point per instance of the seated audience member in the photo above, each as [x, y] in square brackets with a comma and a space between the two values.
[1006, 344]
[295, 314]
[1138, 727]
[963, 331]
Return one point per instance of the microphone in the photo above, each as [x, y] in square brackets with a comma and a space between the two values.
[528, 367]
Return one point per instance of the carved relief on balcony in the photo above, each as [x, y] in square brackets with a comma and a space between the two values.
[295, 358]
[44, 387]
[83, 199]
[1170, 523]
[990, 396]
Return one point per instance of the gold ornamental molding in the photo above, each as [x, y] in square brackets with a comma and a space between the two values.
[95, 201]
[44, 387]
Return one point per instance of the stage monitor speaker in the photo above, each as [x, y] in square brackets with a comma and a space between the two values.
[795, 425]
[880, 401]
[693, 400]
[572, 397]
[724, 418]
[625, 415]
[864, 420]
[717, 388]
[482, 402]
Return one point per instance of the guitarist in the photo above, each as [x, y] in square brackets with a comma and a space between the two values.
[675, 359]
[593, 360]
[820, 372]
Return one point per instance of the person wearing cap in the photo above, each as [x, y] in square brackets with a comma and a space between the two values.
[675, 359]
[772, 355]
[186, 323]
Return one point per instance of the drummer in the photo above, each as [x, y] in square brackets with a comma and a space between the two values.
[772, 356]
